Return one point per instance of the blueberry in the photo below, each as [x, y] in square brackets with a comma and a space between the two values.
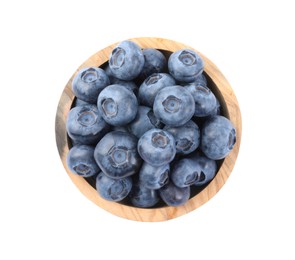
[207, 168]
[126, 60]
[144, 121]
[205, 100]
[174, 196]
[156, 147]
[152, 85]
[142, 197]
[154, 62]
[112, 189]
[174, 106]
[185, 172]
[88, 83]
[218, 137]
[80, 160]
[187, 137]
[185, 65]
[85, 124]
[116, 154]
[117, 105]
[154, 177]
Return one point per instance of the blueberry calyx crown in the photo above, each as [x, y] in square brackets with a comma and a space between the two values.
[191, 178]
[87, 117]
[171, 104]
[89, 75]
[164, 178]
[183, 144]
[187, 58]
[118, 58]
[154, 78]
[118, 156]
[204, 89]
[160, 140]
[109, 107]
[82, 169]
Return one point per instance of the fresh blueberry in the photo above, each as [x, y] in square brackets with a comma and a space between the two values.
[80, 160]
[116, 154]
[185, 172]
[117, 105]
[85, 124]
[185, 65]
[187, 137]
[205, 100]
[112, 189]
[142, 197]
[152, 85]
[218, 137]
[144, 121]
[126, 60]
[174, 196]
[207, 168]
[174, 106]
[88, 83]
[154, 177]
[154, 62]
[156, 147]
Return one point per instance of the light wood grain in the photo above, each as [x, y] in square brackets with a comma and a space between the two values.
[228, 101]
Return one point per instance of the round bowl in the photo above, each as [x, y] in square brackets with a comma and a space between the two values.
[229, 108]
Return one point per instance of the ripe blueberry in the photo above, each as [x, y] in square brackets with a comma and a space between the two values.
[185, 65]
[117, 104]
[80, 161]
[218, 137]
[85, 124]
[113, 189]
[126, 60]
[116, 154]
[174, 106]
[88, 83]
[156, 147]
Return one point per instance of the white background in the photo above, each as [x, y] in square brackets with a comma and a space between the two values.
[44, 216]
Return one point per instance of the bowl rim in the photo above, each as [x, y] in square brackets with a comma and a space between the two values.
[167, 212]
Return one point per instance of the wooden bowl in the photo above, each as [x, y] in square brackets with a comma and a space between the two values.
[229, 107]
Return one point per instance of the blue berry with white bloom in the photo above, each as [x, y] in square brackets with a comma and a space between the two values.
[185, 65]
[126, 60]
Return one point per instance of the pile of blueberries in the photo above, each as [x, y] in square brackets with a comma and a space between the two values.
[147, 127]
